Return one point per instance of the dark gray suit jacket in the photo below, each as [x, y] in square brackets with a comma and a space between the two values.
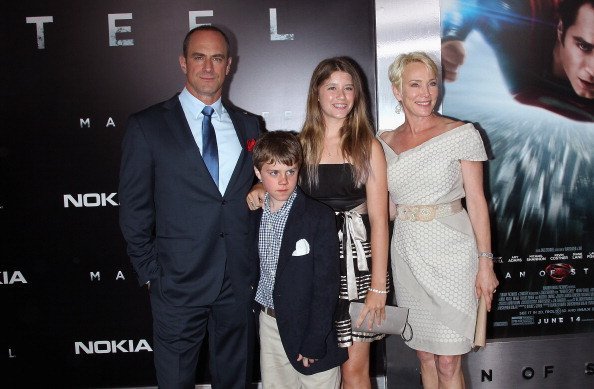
[181, 232]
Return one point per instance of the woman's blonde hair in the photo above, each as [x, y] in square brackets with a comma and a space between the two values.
[356, 134]
[397, 67]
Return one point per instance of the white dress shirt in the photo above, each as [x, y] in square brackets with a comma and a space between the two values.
[227, 142]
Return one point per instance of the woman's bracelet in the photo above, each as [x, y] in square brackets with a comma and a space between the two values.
[486, 255]
[378, 291]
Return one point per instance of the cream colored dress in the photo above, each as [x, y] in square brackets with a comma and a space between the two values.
[434, 263]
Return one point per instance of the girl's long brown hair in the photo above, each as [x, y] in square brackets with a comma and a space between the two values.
[356, 134]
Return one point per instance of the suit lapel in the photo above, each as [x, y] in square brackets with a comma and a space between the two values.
[239, 125]
[294, 228]
[178, 125]
[180, 129]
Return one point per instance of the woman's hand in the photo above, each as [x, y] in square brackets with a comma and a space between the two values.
[375, 304]
[476, 204]
[255, 199]
[376, 190]
[486, 281]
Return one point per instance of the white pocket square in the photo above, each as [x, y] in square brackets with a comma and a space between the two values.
[301, 248]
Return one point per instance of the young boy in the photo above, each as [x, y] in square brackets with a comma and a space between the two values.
[297, 247]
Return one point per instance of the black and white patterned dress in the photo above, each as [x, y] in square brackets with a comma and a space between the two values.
[337, 190]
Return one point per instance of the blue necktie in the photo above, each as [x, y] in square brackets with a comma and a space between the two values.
[210, 151]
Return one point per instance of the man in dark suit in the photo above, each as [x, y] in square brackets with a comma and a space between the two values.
[295, 241]
[185, 173]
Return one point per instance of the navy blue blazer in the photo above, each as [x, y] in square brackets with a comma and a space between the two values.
[306, 286]
[181, 232]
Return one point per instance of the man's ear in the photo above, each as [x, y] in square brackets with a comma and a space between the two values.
[228, 69]
[182, 64]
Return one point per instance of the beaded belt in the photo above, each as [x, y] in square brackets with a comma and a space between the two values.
[426, 213]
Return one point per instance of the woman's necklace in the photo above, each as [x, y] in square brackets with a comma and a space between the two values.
[331, 152]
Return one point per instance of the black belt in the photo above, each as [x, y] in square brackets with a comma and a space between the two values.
[269, 311]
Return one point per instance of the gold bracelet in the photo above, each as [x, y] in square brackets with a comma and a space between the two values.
[378, 291]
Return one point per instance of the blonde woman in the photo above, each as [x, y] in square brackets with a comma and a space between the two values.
[441, 252]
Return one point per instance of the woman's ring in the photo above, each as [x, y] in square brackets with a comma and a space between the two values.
[494, 290]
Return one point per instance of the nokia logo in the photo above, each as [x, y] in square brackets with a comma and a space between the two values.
[111, 346]
[90, 200]
[9, 278]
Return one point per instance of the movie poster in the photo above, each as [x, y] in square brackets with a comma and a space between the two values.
[523, 73]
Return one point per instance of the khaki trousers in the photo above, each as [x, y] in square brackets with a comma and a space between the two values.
[276, 369]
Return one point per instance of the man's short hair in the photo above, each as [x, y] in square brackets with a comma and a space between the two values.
[205, 27]
[567, 12]
[277, 147]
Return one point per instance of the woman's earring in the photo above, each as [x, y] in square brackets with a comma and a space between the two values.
[398, 108]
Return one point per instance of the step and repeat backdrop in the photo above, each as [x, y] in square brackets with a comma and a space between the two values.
[72, 312]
